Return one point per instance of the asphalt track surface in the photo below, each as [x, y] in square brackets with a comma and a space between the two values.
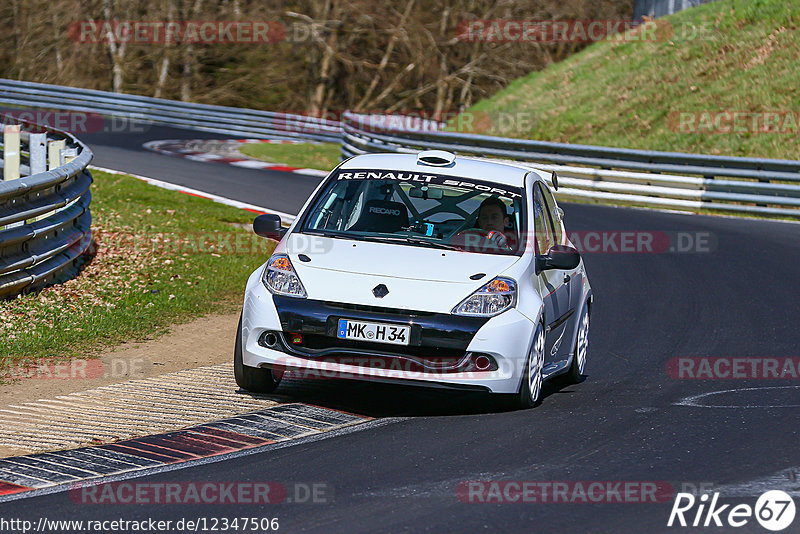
[622, 423]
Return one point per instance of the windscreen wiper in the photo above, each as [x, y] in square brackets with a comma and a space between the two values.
[414, 240]
[432, 243]
[387, 238]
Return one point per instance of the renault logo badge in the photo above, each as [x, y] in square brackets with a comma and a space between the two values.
[380, 291]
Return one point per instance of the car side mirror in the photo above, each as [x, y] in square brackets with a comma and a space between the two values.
[561, 257]
[269, 226]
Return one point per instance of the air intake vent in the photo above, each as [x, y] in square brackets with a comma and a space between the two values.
[436, 158]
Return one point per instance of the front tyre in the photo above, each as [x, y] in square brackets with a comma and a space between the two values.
[253, 379]
[530, 390]
[575, 373]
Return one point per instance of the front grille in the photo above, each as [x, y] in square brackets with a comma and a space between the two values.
[378, 355]
[395, 363]
[434, 334]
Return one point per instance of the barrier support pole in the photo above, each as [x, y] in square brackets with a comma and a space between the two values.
[54, 154]
[37, 145]
[11, 152]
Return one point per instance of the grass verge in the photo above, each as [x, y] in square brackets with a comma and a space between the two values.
[162, 257]
[324, 156]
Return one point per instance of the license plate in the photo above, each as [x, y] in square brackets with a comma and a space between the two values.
[375, 332]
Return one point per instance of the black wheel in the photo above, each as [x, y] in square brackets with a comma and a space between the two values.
[575, 373]
[530, 390]
[253, 379]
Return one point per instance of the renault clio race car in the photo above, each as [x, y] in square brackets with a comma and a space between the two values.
[425, 269]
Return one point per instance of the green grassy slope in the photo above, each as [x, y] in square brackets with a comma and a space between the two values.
[730, 55]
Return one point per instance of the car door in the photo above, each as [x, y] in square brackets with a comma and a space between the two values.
[555, 292]
[572, 278]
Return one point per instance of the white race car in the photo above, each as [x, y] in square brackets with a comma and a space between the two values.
[423, 269]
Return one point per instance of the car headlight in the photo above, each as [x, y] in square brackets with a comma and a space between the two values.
[280, 279]
[493, 298]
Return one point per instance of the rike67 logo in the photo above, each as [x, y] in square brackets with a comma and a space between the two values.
[774, 510]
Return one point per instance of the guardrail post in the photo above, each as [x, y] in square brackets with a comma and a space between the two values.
[68, 154]
[54, 154]
[11, 152]
[38, 150]
[57, 156]
[65, 155]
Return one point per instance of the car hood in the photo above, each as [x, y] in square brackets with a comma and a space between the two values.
[418, 278]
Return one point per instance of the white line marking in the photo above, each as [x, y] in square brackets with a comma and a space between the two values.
[787, 480]
[312, 172]
[250, 164]
[694, 399]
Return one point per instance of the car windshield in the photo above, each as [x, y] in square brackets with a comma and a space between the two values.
[419, 209]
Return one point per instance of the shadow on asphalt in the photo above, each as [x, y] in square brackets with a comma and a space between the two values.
[376, 399]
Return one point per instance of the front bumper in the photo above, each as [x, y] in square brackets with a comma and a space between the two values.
[506, 338]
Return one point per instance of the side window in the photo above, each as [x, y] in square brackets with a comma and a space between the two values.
[550, 202]
[543, 228]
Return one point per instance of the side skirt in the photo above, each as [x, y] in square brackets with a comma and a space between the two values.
[556, 368]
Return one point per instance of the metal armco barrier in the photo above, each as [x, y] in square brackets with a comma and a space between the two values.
[44, 217]
[142, 109]
[766, 187]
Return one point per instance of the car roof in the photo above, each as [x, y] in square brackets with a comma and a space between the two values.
[462, 167]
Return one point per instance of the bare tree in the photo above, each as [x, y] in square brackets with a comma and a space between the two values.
[163, 69]
[400, 28]
[116, 49]
[360, 54]
[189, 58]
